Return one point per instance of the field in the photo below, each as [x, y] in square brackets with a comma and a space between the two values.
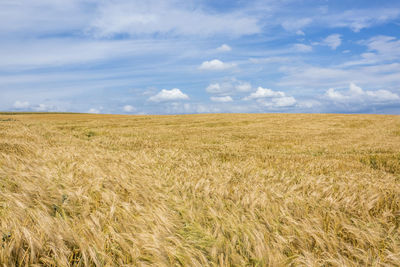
[200, 190]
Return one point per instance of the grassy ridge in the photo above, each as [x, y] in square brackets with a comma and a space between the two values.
[200, 190]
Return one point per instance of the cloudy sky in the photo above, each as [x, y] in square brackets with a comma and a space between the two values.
[198, 56]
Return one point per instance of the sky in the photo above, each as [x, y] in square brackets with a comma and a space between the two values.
[200, 56]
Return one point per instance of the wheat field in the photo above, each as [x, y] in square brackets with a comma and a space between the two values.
[199, 190]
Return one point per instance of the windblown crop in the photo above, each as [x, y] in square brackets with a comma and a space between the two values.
[199, 190]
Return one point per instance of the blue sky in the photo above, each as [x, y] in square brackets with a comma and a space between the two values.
[200, 56]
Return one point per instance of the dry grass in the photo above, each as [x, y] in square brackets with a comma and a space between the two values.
[200, 190]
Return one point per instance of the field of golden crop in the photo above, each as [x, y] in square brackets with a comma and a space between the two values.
[199, 190]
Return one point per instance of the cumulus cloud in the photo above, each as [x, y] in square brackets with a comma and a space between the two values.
[303, 47]
[224, 48]
[43, 108]
[25, 105]
[185, 108]
[229, 86]
[271, 99]
[264, 97]
[333, 94]
[215, 88]
[309, 103]
[356, 94]
[243, 87]
[128, 108]
[21, 104]
[333, 41]
[169, 95]
[222, 99]
[216, 64]
[264, 93]
[280, 102]
[286, 101]
[94, 111]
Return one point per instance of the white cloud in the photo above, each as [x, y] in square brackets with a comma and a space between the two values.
[229, 86]
[224, 48]
[270, 60]
[63, 51]
[21, 104]
[94, 111]
[387, 48]
[286, 101]
[384, 43]
[333, 41]
[42, 16]
[303, 48]
[43, 108]
[313, 77]
[358, 19]
[355, 19]
[243, 87]
[333, 94]
[264, 93]
[128, 108]
[223, 99]
[35, 107]
[382, 95]
[300, 32]
[169, 95]
[136, 17]
[216, 64]
[271, 99]
[280, 102]
[356, 94]
[355, 90]
[380, 49]
[309, 103]
[296, 24]
[215, 88]
[185, 108]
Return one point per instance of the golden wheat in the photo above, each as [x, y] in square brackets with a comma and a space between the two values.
[199, 190]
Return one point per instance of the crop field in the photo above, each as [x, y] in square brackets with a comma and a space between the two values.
[199, 190]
